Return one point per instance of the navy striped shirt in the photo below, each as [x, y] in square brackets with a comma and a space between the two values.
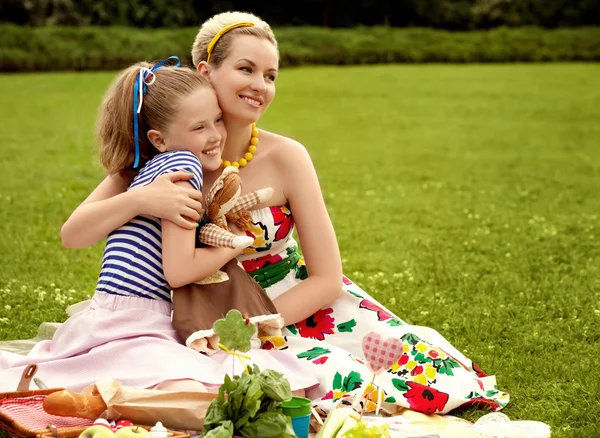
[132, 262]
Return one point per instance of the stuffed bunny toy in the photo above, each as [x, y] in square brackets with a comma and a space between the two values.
[198, 305]
[223, 204]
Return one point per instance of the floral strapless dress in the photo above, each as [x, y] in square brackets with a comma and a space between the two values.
[431, 375]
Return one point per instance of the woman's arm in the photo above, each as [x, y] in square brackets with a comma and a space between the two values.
[317, 238]
[109, 206]
[183, 263]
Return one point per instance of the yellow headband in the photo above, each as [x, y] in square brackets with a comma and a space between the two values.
[222, 32]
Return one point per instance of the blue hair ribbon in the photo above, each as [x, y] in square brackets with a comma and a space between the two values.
[139, 89]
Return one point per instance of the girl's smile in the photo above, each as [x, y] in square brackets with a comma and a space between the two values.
[213, 150]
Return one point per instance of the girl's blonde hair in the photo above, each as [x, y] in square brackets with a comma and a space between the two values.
[222, 48]
[159, 108]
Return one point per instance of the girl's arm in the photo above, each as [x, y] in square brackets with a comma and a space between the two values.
[183, 263]
[110, 205]
[317, 238]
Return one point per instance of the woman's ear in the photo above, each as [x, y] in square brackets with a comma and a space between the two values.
[204, 69]
[157, 140]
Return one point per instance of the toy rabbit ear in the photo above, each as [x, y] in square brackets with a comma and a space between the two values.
[229, 170]
[217, 185]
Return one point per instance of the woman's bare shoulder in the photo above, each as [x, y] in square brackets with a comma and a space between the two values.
[283, 149]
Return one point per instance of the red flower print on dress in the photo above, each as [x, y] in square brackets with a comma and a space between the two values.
[381, 314]
[424, 399]
[417, 370]
[282, 218]
[478, 371]
[403, 359]
[346, 280]
[320, 360]
[317, 325]
[256, 264]
[335, 395]
[480, 383]
[482, 402]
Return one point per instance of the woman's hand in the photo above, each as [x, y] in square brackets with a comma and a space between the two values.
[166, 200]
[111, 205]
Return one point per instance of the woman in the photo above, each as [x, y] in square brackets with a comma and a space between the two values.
[327, 317]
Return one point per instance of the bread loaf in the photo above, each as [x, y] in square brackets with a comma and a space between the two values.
[67, 403]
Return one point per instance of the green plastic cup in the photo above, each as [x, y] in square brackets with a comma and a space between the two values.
[296, 407]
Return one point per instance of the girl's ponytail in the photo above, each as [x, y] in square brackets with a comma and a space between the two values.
[166, 86]
[115, 124]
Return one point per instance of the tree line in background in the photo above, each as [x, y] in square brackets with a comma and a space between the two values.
[24, 48]
[441, 14]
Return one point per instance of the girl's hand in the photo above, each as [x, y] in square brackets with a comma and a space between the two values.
[163, 199]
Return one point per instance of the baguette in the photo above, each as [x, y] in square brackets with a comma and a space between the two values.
[67, 403]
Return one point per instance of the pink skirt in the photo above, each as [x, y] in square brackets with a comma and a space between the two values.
[132, 340]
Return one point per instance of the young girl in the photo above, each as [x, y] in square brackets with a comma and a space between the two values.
[154, 120]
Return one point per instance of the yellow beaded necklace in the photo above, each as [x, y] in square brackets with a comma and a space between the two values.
[242, 162]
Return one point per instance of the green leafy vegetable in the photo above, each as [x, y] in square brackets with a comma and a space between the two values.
[216, 415]
[223, 431]
[250, 405]
[266, 424]
[275, 385]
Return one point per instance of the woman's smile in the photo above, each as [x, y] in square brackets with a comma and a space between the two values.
[254, 102]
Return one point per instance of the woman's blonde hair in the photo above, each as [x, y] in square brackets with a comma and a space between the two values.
[222, 48]
[159, 108]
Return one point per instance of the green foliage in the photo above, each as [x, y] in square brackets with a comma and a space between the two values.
[444, 14]
[113, 48]
[250, 405]
[387, 45]
[88, 48]
[153, 13]
[464, 198]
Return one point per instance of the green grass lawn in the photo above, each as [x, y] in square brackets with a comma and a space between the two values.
[466, 198]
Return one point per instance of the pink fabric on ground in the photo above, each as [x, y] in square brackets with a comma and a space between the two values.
[132, 340]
